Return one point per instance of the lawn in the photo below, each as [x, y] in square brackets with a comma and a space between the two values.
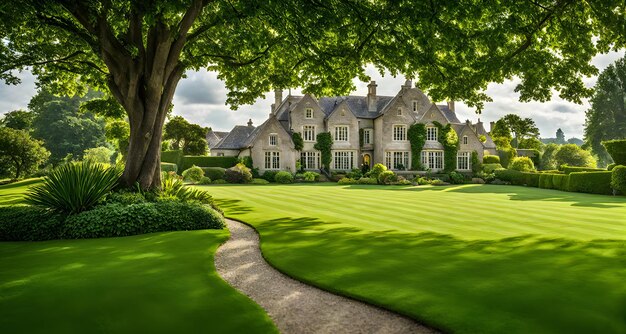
[153, 283]
[466, 259]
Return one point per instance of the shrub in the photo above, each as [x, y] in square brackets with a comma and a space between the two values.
[284, 177]
[238, 174]
[489, 168]
[259, 181]
[27, 223]
[508, 175]
[437, 182]
[387, 177]
[377, 170]
[204, 161]
[214, 173]
[402, 182]
[506, 155]
[356, 174]
[204, 181]
[456, 178]
[74, 187]
[477, 165]
[270, 175]
[125, 197]
[618, 179]
[590, 182]
[311, 176]
[570, 169]
[193, 174]
[367, 180]
[611, 166]
[522, 164]
[169, 167]
[220, 181]
[422, 181]
[617, 150]
[347, 180]
[123, 220]
[172, 187]
[574, 155]
[491, 159]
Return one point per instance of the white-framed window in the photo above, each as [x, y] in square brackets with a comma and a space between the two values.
[414, 106]
[399, 132]
[308, 113]
[399, 112]
[308, 133]
[273, 139]
[397, 159]
[432, 159]
[464, 140]
[463, 161]
[341, 133]
[343, 160]
[220, 154]
[367, 136]
[432, 133]
[272, 160]
[310, 160]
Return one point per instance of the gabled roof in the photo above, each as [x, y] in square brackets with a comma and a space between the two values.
[236, 138]
[356, 104]
[448, 114]
[480, 129]
[214, 137]
[254, 134]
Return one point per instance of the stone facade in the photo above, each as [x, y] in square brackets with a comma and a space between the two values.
[383, 122]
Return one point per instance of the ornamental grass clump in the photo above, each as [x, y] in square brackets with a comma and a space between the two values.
[74, 187]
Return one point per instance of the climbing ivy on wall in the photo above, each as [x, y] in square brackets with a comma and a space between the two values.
[417, 138]
[361, 134]
[323, 144]
[450, 141]
[298, 143]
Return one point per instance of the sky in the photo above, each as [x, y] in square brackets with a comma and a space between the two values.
[201, 97]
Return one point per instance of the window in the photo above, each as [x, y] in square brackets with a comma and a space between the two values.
[367, 136]
[310, 160]
[397, 160]
[464, 140]
[272, 160]
[273, 139]
[308, 133]
[431, 133]
[463, 161]
[343, 160]
[341, 133]
[308, 113]
[399, 113]
[432, 159]
[399, 133]
[414, 106]
[220, 154]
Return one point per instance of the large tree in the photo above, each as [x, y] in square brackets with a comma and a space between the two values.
[191, 138]
[137, 51]
[18, 119]
[521, 128]
[606, 119]
[19, 153]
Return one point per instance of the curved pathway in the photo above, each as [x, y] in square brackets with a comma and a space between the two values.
[294, 306]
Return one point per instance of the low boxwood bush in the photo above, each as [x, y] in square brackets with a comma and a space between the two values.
[367, 180]
[214, 173]
[193, 174]
[522, 164]
[283, 177]
[311, 176]
[590, 182]
[572, 169]
[259, 181]
[125, 197]
[28, 223]
[218, 182]
[347, 180]
[491, 159]
[376, 171]
[124, 220]
[169, 167]
[618, 178]
[269, 175]
[238, 174]
[204, 161]
[456, 178]
[387, 177]
[489, 168]
[204, 181]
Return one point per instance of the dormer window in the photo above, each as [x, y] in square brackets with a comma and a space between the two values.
[431, 133]
[414, 106]
[399, 113]
[464, 140]
[273, 139]
[308, 113]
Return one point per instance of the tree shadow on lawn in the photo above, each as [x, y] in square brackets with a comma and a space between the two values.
[521, 193]
[525, 284]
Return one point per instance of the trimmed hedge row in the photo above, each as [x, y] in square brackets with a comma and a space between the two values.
[571, 169]
[169, 167]
[203, 161]
[590, 182]
[518, 178]
[595, 182]
[173, 157]
[27, 223]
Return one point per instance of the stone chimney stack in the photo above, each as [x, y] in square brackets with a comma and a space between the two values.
[492, 124]
[451, 106]
[371, 96]
[250, 122]
[278, 98]
[408, 84]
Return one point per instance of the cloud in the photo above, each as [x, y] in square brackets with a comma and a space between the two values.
[17, 97]
[201, 87]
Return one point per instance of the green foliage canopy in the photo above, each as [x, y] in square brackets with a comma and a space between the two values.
[574, 155]
[19, 153]
[191, 138]
[18, 120]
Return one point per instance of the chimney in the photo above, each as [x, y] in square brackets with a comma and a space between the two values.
[371, 96]
[492, 124]
[250, 122]
[278, 98]
[408, 84]
[451, 105]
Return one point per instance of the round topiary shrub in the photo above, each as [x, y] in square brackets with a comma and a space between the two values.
[491, 159]
[522, 164]
[387, 177]
[618, 179]
[193, 174]
[269, 175]
[238, 174]
[283, 177]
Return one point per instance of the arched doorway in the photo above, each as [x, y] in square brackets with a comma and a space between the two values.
[367, 159]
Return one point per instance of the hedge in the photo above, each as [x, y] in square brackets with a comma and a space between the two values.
[560, 182]
[173, 157]
[617, 150]
[214, 173]
[204, 161]
[27, 223]
[572, 169]
[169, 167]
[491, 159]
[590, 182]
[489, 168]
[546, 181]
[618, 179]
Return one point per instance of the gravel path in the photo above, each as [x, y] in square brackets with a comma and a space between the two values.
[294, 306]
